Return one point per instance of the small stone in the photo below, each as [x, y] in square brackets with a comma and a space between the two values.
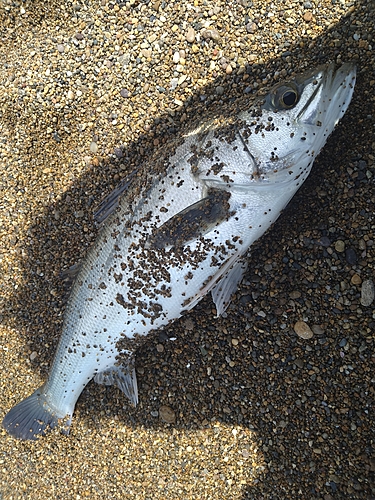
[60, 48]
[160, 347]
[339, 246]
[356, 279]
[70, 95]
[79, 36]
[146, 53]
[234, 341]
[33, 355]
[124, 93]
[299, 362]
[367, 293]
[119, 152]
[351, 256]
[325, 241]
[219, 90]
[176, 57]
[251, 27]
[182, 79]
[295, 294]
[290, 20]
[213, 34]
[94, 147]
[228, 69]
[189, 324]
[307, 16]
[167, 414]
[303, 330]
[190, 35]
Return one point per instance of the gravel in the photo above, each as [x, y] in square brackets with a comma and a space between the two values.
[240, 407]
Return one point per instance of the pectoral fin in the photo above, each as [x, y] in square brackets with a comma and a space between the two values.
[192, 222]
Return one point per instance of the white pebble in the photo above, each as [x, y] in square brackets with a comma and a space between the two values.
[176, 57]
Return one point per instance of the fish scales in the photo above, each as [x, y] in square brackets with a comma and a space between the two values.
[181, 228]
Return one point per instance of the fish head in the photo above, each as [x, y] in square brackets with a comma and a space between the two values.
[293, 122]
[274, 140]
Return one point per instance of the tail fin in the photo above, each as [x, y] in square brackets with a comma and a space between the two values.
[31, 418]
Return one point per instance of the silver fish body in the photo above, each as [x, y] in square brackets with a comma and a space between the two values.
[182, 229]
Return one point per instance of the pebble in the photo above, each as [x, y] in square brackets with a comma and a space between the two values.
[190, 35]
[340, 246]
[351, 256]
[303, 330]
[356, 279]
[307, 16]
[167, 414]
[94, 147]
[299, 362]
[367, 293]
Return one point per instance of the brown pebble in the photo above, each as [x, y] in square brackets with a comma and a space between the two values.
[317, 330]
[307, 16]
[356, 279]
[190, 35]
[339, 246]
[167, 414]
[303, 330]
[160, 347]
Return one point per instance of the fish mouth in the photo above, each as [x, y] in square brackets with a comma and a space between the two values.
[330, 95]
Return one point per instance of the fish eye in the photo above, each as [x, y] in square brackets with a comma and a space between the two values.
[289, 98]
[282, 97]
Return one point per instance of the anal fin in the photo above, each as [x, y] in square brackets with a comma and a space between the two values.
[124, 377]
[227, 285]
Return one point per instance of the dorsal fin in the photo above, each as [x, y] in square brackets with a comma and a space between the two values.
[109, 204]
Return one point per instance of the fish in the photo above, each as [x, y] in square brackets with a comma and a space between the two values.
[179, 228]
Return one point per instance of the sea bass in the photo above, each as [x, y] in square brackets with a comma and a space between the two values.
[180, 229]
